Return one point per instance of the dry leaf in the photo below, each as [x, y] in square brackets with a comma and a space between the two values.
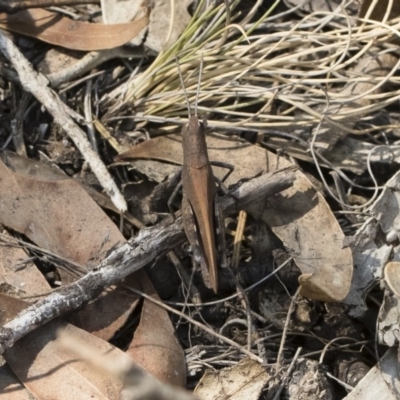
[57, 214]
[369, 260]
[392, 277]
[165, 26]
[243, 381]
[167, 363]
[20, 274]
[75, 35]
[370, 255]
[117, 12]
[48, 371]
[299, 216]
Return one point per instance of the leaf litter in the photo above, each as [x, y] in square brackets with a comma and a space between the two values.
[315, 264]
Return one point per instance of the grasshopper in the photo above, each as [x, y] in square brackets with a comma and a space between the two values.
[201, 212]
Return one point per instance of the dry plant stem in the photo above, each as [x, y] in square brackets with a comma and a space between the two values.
[289, 371]
[105, 134]
[237, 242]
[285, 329]
[36, 84]
[344, 384]
[246, 305]
[200, 325]
[129, 257]
[89, 117]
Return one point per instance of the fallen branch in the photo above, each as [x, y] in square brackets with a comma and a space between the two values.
[127, 258]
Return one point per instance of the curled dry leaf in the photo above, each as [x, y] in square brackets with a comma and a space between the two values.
[243, 381]
[299, 216]
[57, 214]
[392, 277]
[75, 35]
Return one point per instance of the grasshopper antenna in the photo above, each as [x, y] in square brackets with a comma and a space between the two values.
[183, 86]
[198, 86]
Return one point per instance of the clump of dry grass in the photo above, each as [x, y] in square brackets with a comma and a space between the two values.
[268, 74]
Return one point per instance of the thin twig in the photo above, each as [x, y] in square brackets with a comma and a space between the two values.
[285, 329]
[289, 371]
[199, 325]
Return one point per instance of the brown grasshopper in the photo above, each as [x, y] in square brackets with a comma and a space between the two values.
[201, 212]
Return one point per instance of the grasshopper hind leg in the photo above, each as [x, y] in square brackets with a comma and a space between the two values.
[220, 233]
[193, 238]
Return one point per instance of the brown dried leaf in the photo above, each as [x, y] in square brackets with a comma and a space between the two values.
[75, 35]
[142, 347]
[57, 214]
[20, 274]
[50, 372]
[299, 216]
[160, 36]
[167, 20]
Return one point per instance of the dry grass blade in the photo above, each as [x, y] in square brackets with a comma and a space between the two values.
[299, 66]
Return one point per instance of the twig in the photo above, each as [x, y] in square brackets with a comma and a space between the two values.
[129, 257]
[200, 325]
[237, 242]
[285, 329]
[289, 371]
[36, 84]
[87, 104]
